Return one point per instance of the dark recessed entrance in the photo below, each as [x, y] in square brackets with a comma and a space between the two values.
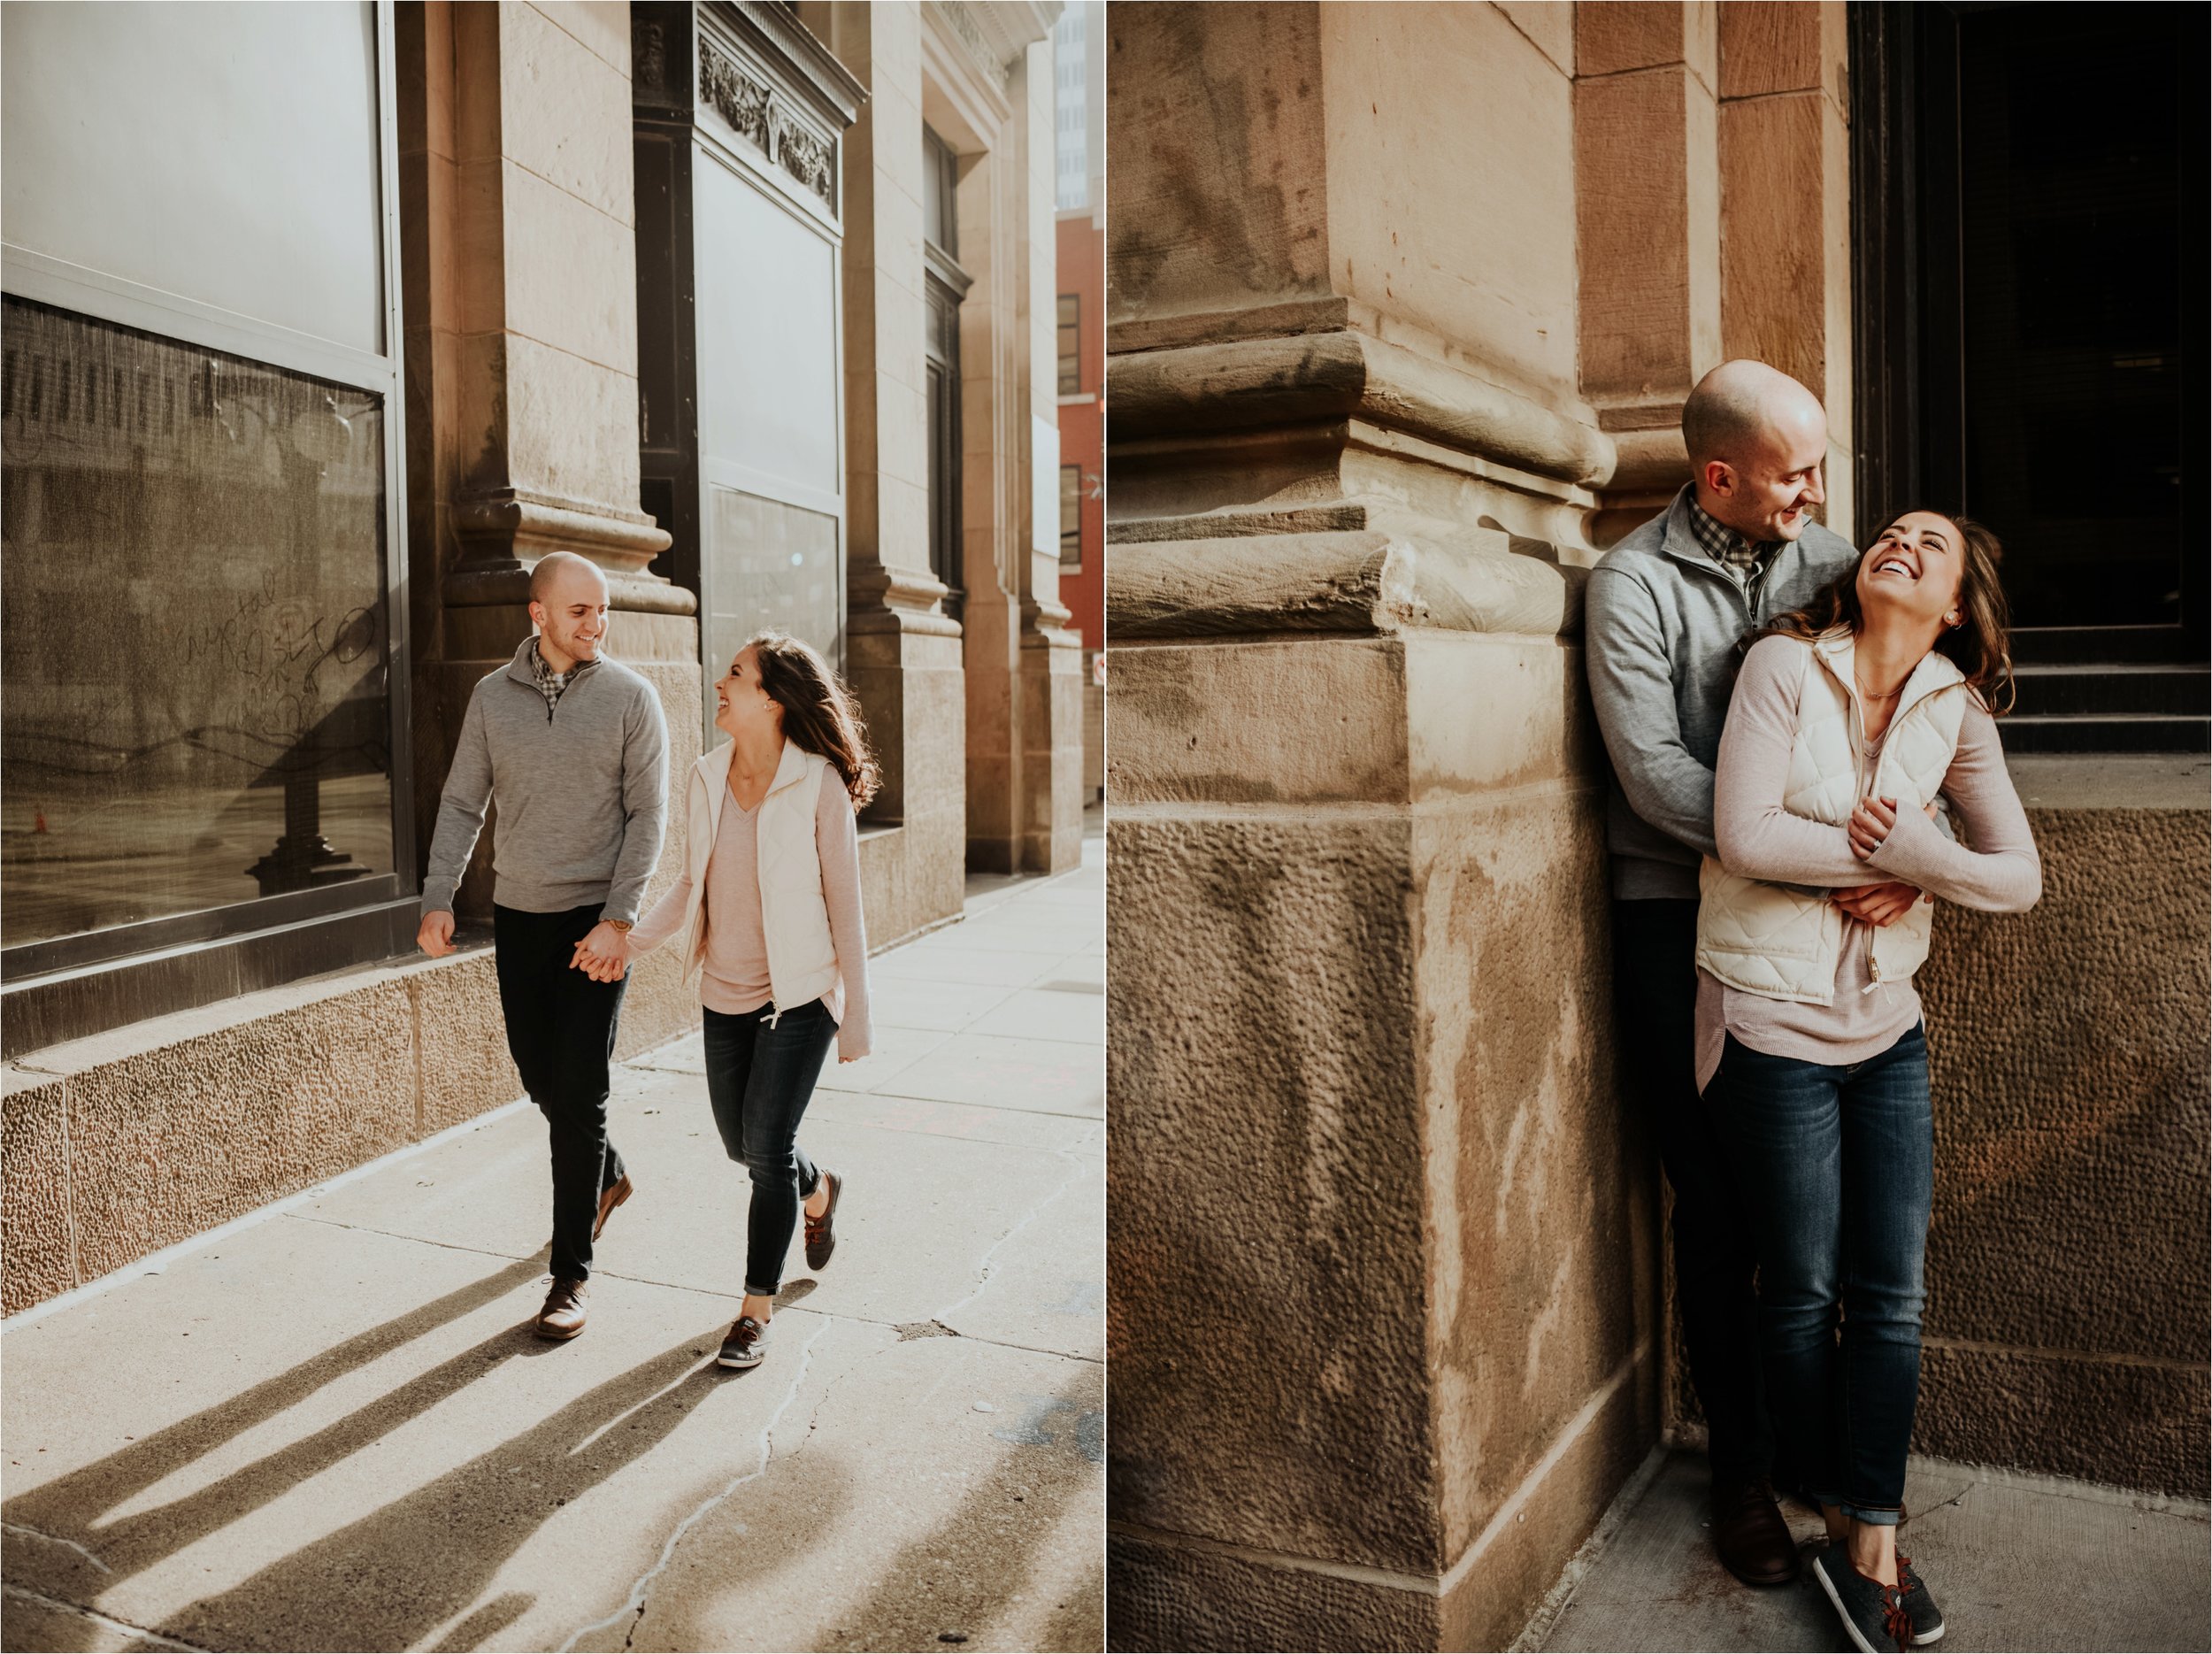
[2030, 282]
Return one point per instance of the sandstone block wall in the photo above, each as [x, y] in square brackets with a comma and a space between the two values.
[2069, 1294]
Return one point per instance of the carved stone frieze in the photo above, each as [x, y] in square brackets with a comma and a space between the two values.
[805, 155]
[648, 56]
[766, 121]
[978, 48]
[734, 96]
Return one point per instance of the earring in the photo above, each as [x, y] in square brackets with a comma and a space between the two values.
[1954, 620]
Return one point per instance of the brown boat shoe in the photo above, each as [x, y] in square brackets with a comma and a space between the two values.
[562, 1316]
[821, 1233]
[622, 1190]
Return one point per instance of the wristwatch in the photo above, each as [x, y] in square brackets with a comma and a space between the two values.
[622, 924]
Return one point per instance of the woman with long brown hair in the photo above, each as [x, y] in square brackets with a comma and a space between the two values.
[769, 907]
[1849, 718]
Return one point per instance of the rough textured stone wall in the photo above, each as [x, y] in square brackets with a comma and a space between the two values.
[1382, 1253]
[2068, 1289]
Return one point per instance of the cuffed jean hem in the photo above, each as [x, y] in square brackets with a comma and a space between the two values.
[1872, 1516]
[752, 1291]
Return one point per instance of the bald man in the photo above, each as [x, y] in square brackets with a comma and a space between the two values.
[573, 749]
[1663, 615]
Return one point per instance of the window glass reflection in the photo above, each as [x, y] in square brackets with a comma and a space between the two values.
[192, 630]
[771, 564]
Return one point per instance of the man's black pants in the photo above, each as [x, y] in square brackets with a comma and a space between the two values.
[1654, 984]
[560, 1031]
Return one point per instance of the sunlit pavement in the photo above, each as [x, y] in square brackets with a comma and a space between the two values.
[332, 1428]
[2016, 1561]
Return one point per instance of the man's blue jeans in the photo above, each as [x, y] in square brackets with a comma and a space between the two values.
[759, 1079]
[1837, 1166]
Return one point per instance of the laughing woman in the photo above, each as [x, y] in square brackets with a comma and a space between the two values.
[769, 904]
[1847, 720]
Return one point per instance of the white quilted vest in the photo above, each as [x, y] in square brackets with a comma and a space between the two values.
[801, 957]
[1783, 941]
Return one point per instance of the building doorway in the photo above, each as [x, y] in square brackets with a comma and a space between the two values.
[2032, 289]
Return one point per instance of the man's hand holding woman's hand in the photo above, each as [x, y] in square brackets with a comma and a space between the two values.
[1869, 829]
[603, 955]
[435, 935]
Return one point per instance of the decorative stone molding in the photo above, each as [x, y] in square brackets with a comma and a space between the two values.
[806, 157]
[786, 139]
[1401, 574]
[648, 56]
[503, 536]
[882, 598]
[734, 96]
[1279, 382]
[962, 24]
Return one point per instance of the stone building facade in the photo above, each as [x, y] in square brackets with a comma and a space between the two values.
[294, 399]
[1404, 303]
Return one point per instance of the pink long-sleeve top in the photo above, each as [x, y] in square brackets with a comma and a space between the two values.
[734, 978]
[1760, 839]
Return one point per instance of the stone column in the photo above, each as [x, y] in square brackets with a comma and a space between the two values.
[1382, 1251]
[1024, 664]
[1785, 161]
[1647, 212]
[521, 312]
[1049, 690]
[902, 652]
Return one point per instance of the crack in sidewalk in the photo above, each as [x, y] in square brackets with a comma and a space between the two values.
[107, 1622]
[633, 1604]
[986, 1269]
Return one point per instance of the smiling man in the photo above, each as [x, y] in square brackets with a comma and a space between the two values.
[1663, 615]
[573, 749]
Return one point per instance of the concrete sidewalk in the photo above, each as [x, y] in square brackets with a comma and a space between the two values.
[2018, 1562]
[330, 1427]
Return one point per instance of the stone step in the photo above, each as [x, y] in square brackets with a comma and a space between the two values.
[2166, 689]
[2113, 731]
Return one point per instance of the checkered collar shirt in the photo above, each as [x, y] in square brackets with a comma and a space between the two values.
[551, 683]
[1743, 559]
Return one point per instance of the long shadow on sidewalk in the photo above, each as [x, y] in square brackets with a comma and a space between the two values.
[391, 1578]
[71, 1506]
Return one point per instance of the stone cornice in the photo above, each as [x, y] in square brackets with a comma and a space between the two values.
[836, 93]
[1305, 377]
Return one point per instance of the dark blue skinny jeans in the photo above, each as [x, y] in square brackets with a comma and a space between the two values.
[1837, 1166]
[759, 1081]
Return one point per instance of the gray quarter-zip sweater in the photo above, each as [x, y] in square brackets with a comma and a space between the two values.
[1660, 622]
[582, 791]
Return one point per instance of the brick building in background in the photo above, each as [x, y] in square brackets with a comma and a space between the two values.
[1080, 54]
[352, 314]
[1404, 301]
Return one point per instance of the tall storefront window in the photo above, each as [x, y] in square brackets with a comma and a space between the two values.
[193, 588]
[203, 785]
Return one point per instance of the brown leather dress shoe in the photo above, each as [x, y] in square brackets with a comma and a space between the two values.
[621, 1191]
[1748, 1532]
[562, 1316]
